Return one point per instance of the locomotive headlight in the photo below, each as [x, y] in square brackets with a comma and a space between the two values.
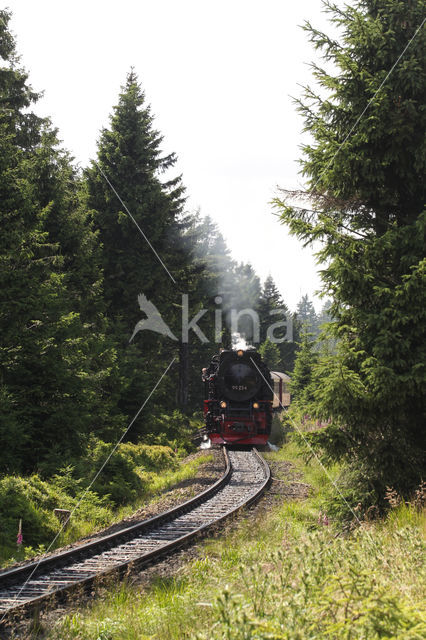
[223, 405]
[240, 353]
[255, 405]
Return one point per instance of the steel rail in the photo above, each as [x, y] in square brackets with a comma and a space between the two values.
[27, 587]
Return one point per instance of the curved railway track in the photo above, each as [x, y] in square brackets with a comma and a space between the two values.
[30, 586]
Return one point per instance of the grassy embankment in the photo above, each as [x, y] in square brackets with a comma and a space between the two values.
[134, 475]
[285, 576]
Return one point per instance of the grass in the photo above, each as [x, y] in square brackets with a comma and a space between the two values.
[284, 576]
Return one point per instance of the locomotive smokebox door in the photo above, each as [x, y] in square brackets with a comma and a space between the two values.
[238, 377]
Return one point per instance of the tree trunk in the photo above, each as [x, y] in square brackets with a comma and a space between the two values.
[183, 374]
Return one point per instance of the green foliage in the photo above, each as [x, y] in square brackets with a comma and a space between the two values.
[123, 478]
[272, 310]
[66, 368]
[366, 206]
[325, 590]
[118, 481]
[55, 364]
[174, 429]
[270, 355]
[150, 457]
[191, 249]
[301, 387]
[134, 472]
[33, 500]
[130, 159]
[278, 433]
[306, 315]
[72, 264]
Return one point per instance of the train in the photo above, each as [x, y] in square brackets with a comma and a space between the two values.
[241, 395]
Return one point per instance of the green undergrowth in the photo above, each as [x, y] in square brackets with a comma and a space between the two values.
[134, 475]
[291, 574]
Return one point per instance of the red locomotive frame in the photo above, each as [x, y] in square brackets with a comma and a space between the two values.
[239, 429]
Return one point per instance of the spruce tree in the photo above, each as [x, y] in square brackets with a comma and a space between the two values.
[208, 280]
[270, 300]
[269, 303]
[301, 387]
[52, 360]
[245, 290]
[125, 190]
[306, 315]
[130, 161]
[270, 355]
[366, 196]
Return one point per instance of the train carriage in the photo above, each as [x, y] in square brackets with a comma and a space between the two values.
[281, 385]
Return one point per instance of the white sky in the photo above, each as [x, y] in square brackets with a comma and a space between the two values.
[218, 75]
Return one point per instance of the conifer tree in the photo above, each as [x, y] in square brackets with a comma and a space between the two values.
[50, 386]
[208, 280]
[269, 304]
[366, 194]
[270, 355]
[302, 390]
[125, 192]
[306, 314]
[130, 160]
[325, 315]
[244, 287]
[270, 300]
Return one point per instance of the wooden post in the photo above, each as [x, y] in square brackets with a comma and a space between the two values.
[63, 516]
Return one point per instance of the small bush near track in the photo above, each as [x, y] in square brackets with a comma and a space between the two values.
[124, 478]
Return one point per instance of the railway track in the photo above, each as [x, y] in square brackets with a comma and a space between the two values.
[30, 586]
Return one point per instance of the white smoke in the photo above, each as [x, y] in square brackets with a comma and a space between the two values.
[239, 342]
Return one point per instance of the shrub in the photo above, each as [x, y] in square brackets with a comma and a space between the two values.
[174, 430]
[150, 457]
[124, 477]
[277, 436]
[32, 500]
[116, 479]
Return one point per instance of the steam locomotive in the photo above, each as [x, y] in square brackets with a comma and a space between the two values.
[238, 398]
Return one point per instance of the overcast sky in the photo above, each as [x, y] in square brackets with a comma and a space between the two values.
[219, 77]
